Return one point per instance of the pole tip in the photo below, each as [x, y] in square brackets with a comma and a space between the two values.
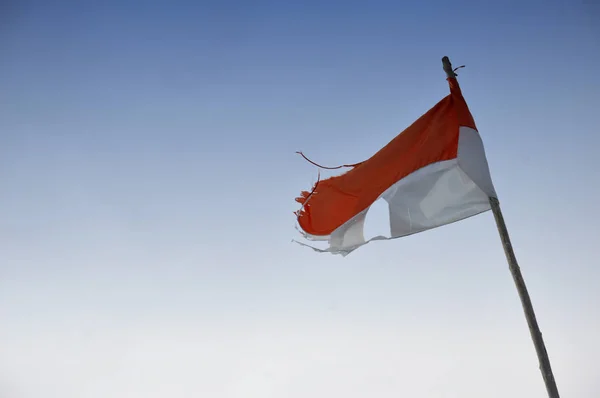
[448, 67]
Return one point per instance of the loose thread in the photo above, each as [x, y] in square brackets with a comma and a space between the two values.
[457, 68]
[312, 191]
[324, 167]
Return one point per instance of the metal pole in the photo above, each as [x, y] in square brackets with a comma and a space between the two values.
[515, 270]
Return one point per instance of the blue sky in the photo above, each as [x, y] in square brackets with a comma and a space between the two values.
[148, 178]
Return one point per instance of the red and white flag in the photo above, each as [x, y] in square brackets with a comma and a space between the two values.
[433, 173]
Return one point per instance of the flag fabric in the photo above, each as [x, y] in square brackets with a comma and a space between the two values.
[433, 173]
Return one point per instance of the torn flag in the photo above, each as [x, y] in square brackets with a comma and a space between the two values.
[433, 173]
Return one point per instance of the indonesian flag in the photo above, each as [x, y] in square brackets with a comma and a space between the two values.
[433, 173]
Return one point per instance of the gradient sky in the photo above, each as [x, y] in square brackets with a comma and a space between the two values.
[147, 185]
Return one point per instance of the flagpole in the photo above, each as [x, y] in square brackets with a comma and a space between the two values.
[536, 334]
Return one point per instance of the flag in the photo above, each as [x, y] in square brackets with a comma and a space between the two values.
[433, 173]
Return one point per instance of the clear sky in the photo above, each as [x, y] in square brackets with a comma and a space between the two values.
[147, 185]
